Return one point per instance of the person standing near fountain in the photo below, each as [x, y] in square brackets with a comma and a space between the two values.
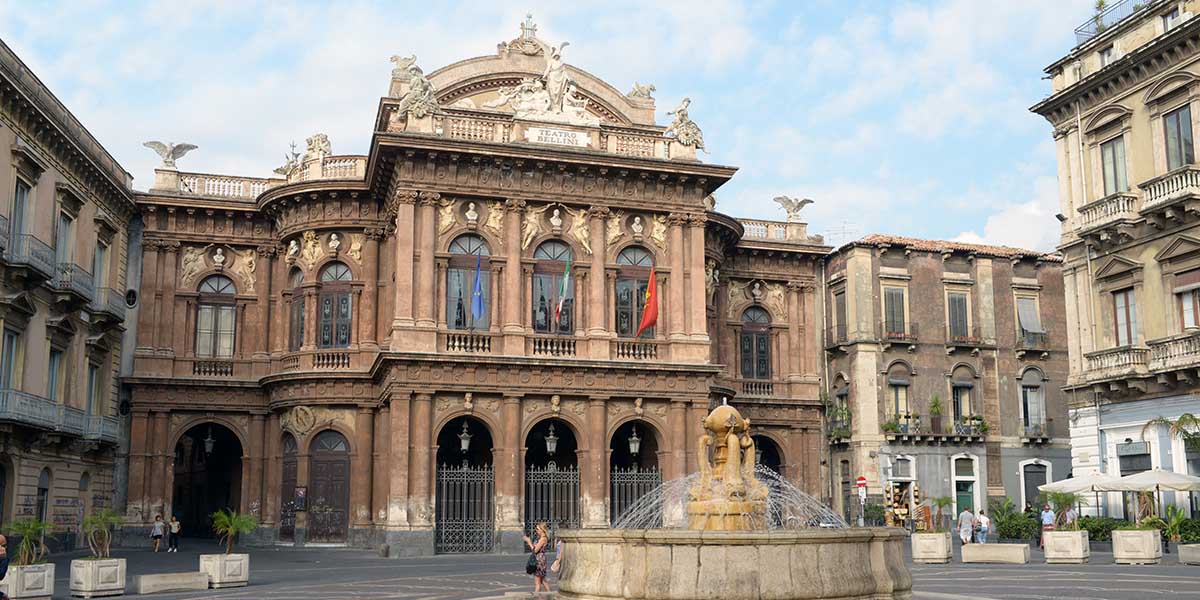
[538, 546]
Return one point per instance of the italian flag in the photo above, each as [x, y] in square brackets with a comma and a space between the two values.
[562, 292]
[650, 312]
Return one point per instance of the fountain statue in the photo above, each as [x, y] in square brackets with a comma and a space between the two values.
[734, 531]
[726, 496]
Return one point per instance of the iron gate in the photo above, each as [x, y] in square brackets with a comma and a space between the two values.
[628, 486]
[465, 509]
[551, 495]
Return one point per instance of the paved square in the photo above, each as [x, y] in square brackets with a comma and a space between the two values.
[334, 573]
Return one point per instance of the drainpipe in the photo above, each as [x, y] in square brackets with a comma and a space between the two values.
[824, 375]
[133, 281]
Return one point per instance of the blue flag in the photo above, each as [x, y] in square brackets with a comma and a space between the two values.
[477, 307]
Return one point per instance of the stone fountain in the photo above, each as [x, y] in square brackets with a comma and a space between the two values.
[732, 532]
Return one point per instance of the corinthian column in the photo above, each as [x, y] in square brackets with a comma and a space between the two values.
[427, 235]
[676, 316]
[596, 329]
[695, 263]
[402, 202]
[514, 341]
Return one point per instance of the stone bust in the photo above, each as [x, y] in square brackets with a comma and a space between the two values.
[293, 248]
[472, 214]
[219, 258]
[334, 242]
[556, 219]
[637, 226]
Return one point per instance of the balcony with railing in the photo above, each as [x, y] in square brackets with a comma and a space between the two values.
[1109, 214]
[38, 412]
[103, 429]
[1111, 15]
[467, 342]
[635, 349]
[964, 337]
[1032, 341]
[25, 250]
[756, 388]
[70, 278]
[218, 186]
[898, 332]
[558, 346]
[1036, 432]
[915, 428]
[1117, 363]
[838, 431]
[1179, 187]
[778, 231]
[1175, 353]
[108, 303]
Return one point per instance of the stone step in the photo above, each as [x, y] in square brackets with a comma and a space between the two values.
[170, 582]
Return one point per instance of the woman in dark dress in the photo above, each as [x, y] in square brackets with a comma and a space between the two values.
[538, 546]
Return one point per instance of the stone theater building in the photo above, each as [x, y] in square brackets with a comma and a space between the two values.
[437, 344]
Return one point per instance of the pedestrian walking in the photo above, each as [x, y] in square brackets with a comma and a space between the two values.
[156, 532]
[966, 525]
[1047, 525]
[538, 547]
[983, 526]
[173, 529]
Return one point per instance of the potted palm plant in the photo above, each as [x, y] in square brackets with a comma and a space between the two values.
[935, 414]
[30, 576]
[228, 569]
[933, 545]
[99, 575]
[1140, 543]
[1067, 543]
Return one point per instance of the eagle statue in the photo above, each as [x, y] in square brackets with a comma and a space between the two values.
[170, 151]
[793, 207]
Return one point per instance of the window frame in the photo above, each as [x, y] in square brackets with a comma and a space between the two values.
[19, 208]
[1106, 55]
[335, 306]
[966, 294]
[1185, 152]
[634, 276]
[296, 312]
[222, 306]
[1128, 325]
[64, 238]
[10, 355]
[54, 375]
[1184, 298]
[755, 358]
[100, 258]
[1117, 171]
[548, 271]
[890, 328]
[461, 264]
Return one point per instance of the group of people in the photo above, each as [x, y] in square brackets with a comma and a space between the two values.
[1049, 520]
[538, 545]
[171, 530]
[973, 528]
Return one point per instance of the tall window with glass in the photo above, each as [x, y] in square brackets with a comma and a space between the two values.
[633, 277]
[552, 288]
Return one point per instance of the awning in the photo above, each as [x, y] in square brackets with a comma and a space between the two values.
[1086, 483]
[1154, 480]
[1027, 313]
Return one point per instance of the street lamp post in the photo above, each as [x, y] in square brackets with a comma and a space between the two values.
[464, 440]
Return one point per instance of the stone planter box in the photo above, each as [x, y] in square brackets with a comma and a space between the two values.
[30, 581]
[226, 570]
[1189, 554]
[932, 548]
[1068, 547]
[1014, 554]
[91, 578]
[1137, 546]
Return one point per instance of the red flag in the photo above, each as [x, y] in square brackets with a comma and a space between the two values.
[650, 312]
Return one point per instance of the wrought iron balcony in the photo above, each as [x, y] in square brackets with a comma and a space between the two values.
[838, 431]
[915, 428]
[25, 250]
[1029, 340]
[72, 279]
[1104, 21]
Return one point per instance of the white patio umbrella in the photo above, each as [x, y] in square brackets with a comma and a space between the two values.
[1091, 482]
[1154, 480]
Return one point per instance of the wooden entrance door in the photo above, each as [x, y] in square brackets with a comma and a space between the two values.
[287, 491]
[329, 489]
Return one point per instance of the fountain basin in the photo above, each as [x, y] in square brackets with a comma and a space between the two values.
[677, 564]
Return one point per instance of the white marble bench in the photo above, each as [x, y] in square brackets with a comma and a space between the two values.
[1016, 554]
[170, 582]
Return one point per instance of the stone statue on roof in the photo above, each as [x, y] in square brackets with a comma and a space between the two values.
[419, 101]
[641, 91]
[793, 207]
[169, 152]
[401, 71]
[683, 129]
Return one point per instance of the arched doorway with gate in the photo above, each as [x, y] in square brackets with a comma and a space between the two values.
[207, 477]
[287, 489]
[464, 499]
[552, 476]
[768, 467]
[767, 454]
[329, 488]
[633, 468]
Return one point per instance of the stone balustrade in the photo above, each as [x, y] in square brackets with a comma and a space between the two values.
[1108, 210]
[468, 342]
[635, 350]
[1113, 363]
[1163, 190]
[1180, 352]
[551, 345]
[223, 186]
[757, 387]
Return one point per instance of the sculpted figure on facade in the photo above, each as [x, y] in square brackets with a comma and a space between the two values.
[244, 267]
[711, 276]
[219, 258]
[293, 249]
[472, 214]
[311, 253]
[190, 264]
[291, 162]
[335, 243]
[556, 219]
[641, 91]
[528, 99]
[554, 75]
[683, 129]
[613, 225]
[737, 294]
[636, 227]
[299, 420]
[419, 102]
[318, 147]
[401, 70]
[532, 226]
[579, 228]
[495, 219]
[169, 152]
[356, 244]
[658, 231]
[792, 207]
[446, 218]
[776, 300]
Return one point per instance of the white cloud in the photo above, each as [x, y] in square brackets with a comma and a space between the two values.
[1030, 224]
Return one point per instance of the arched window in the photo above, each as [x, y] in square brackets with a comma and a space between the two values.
[467, 283]
[1033, 402]
[898, 380]
[215, 318]
[633, 276]
[961, 385]
[756, 344]
[43, 495]
[296, 314]
[334, 319]
[553, 290]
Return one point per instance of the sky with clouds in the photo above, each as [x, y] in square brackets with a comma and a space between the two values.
[908, 118]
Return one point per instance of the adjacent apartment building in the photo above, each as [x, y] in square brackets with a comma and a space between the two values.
[1123, 106]
[945, 364]
[65, 212]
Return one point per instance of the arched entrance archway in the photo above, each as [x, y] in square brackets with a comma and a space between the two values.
[633, 467]
[551, 476]
[768, 454]
[287, 489]
[464, 499]
[329, 488]
[208, 477]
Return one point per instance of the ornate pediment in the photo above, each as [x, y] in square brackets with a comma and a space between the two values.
[1181, 247]
[1106, 116]
[1116, 267]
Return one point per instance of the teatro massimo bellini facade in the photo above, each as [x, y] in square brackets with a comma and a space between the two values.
[382, 349]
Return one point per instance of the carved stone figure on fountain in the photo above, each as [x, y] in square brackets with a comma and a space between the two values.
[726, 496]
